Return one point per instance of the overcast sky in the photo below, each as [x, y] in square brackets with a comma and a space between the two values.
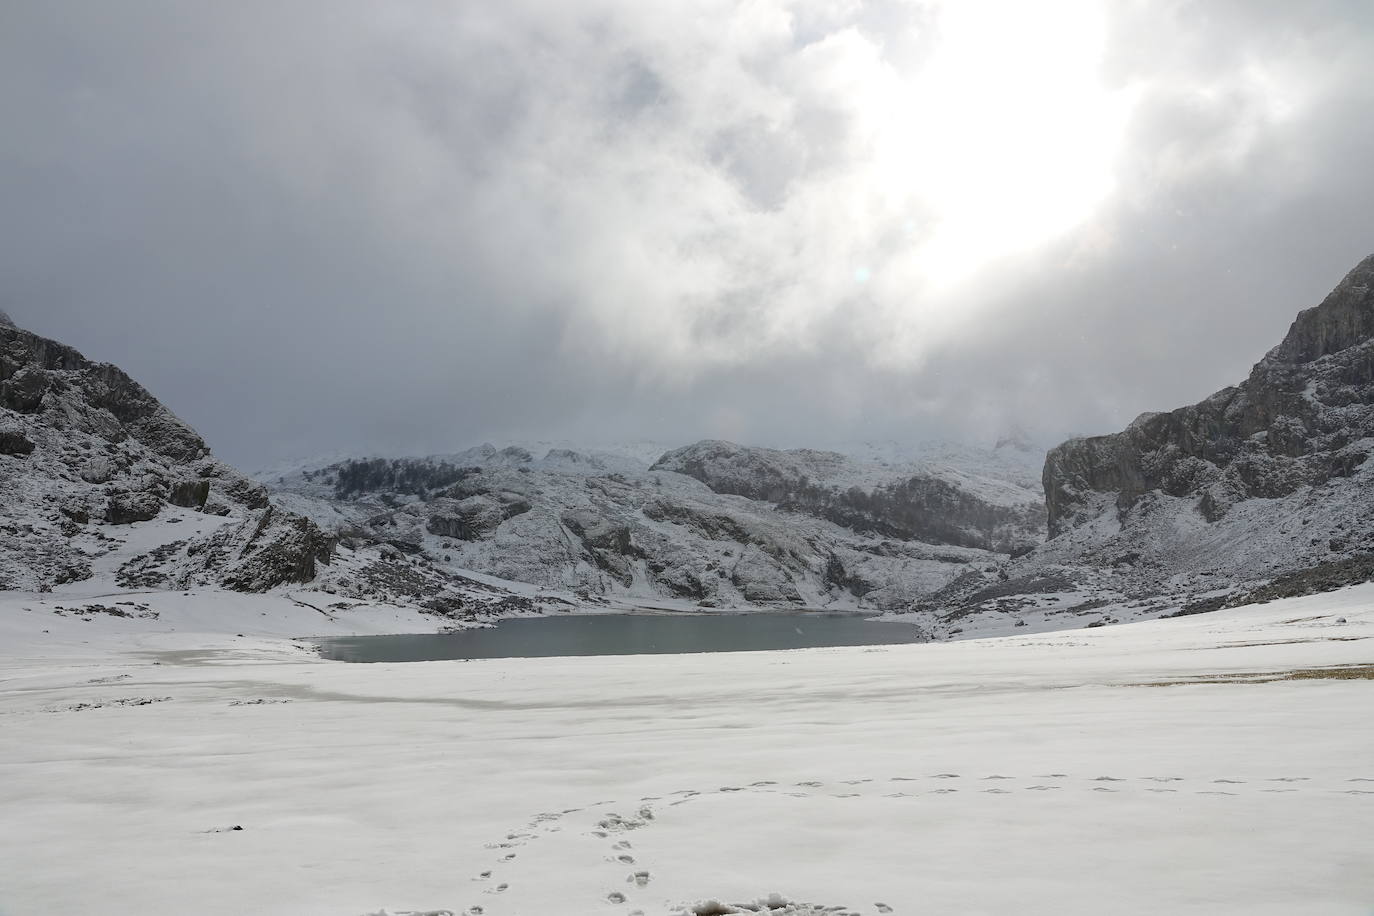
[395, 227]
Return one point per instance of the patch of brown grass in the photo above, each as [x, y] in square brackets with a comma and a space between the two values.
[1333, 673]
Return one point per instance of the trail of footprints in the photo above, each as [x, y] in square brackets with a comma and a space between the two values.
[610, 827]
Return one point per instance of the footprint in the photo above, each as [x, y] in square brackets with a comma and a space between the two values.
[507, 857]
[1228, 782]
[484, 876]
[1165, 778]
[811, 785]
[623, 844]
[1214, 792]
[639, 879]
[944, 791]
[1289, 779]
[625, 860]
[1102, 789]
[883, 908]
[616, 897]
[1054, 776]
[1161, 790]
[945, 776]
[765, 782]
[1043, 788]
[473, 911]
[999, 777]
[1108, 779]
[996, 791]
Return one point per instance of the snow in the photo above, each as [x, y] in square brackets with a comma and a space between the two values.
[1145, 768]
[725, 550]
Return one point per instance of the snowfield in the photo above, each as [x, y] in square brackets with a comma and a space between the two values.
[1222, 763]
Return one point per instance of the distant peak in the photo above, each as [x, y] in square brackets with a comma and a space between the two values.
[1344, 318]
[6, 321]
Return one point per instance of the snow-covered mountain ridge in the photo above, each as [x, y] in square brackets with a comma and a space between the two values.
[1265, 481]
[715, 524]
[105, 491]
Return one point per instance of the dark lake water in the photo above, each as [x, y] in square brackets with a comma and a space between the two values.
[623, 634]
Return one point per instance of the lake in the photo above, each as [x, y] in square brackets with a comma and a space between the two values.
[623, 634]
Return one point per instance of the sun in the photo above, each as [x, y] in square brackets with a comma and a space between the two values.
[1004, 139]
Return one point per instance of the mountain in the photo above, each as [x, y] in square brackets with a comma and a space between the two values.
[932, 505]
[99, 481]
[1266, 485]
[712, 524]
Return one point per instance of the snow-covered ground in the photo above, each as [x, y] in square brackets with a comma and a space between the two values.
[1170, 766]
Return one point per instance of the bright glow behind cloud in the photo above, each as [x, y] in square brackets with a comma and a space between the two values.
[433, 222]
[1007, 137]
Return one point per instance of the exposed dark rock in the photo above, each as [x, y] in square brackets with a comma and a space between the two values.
[127, 508]
[608, 543]
[837, 576]
[598, 532]
[190, 494]
[274, 549]
[15, 443]
[475, 517]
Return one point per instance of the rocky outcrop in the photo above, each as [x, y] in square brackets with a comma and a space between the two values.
[1266, 478]
[84, 447]
[127, 508]
[1303, 417]
[15, 443]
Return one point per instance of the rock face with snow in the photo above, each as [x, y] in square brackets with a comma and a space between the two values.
[1262, 489]
[1303, 418]
[1269, 475]
[714, 524]
[98, 480]
[85, 451]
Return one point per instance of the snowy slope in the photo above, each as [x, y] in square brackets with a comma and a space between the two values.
[602, 523]
[1213, 765]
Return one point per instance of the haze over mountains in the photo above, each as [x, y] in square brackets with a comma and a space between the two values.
[1261, 481]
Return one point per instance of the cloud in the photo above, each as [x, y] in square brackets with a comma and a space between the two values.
[415, 226]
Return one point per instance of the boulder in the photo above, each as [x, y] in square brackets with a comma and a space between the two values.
[189, 493]
[127, 508]
[15, 443]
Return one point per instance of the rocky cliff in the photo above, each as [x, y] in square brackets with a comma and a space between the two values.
[1273, 473]
[87, 455]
